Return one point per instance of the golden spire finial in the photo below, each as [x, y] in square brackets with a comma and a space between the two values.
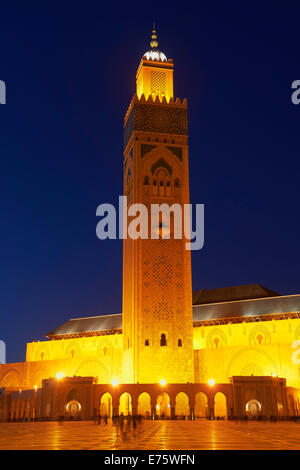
[154, 42]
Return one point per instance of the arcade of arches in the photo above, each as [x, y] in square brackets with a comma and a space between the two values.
[83, 398]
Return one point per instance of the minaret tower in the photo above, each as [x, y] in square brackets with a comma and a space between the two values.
[157, 291]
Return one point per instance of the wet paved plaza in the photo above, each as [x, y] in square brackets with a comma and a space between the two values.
[158, 435]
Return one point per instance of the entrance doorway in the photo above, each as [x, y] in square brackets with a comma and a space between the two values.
[253, 409]
[73, 409]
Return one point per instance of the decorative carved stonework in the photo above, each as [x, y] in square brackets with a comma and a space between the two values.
[177, 151]
[156, 118]
[145, 148]
[161, 163]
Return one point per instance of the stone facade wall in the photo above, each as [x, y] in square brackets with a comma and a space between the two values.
[97, 356]
[244, 349]
[220, 352]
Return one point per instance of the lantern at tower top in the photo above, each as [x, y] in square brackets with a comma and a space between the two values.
[155, 74]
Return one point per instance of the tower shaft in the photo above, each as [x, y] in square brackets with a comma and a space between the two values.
[157, 291]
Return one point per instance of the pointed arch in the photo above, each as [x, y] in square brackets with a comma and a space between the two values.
[201, 405]
[161, 162]
[220, 406]
[144, 405]
[182, 407]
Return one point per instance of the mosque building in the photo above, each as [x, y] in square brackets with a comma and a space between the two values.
[226, 352]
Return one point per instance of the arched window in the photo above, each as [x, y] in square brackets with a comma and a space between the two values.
[42, 356]
[163, 340]
[180, 343]
[146, 180]
[72, 352]
[147, 342]
[162, 182]
[154, 188]
[168, 189]
[177, 183]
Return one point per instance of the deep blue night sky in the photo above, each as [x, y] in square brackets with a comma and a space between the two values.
[70, 71]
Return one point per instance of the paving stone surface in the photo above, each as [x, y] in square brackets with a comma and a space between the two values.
[157, 435]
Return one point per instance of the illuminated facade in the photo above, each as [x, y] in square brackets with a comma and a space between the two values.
[157, 293]
[167, 353]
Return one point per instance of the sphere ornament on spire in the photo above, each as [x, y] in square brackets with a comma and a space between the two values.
[154, 53]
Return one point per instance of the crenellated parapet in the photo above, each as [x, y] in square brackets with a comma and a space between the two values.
[156, 100]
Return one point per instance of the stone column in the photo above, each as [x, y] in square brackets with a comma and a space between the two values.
[153, 405]
[211, 408]
[192, 412]
[5, 407]
[115, 409]
[134, 405]
[229, 406]
[191, 397]
[172, 405]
